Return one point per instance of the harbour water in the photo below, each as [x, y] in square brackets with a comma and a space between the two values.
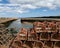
[17, 25]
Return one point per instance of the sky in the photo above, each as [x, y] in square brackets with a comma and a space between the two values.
[29, 8]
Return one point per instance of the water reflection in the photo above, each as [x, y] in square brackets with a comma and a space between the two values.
[17, 25]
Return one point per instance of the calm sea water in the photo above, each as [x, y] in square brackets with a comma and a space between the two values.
[17, 25]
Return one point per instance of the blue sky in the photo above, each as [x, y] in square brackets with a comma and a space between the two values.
[29, 8]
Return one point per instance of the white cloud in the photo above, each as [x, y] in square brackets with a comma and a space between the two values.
[16, 8]
[23, 1]
[23, 6]
[44, 10]
[39, 3]
[12, 8]
[28, 6]
[20, 11]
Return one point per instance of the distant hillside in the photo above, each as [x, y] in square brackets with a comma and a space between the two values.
[48, 17]
[51, 17]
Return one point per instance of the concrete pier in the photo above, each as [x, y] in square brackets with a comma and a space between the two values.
[4, 20]
[31, 20]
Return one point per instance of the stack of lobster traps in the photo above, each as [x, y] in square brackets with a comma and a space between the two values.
[23, 34]
[32, 36]
[44, 34]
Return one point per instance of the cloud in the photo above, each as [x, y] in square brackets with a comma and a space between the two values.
[12, 8]
[23, 6]
[22, 11]
[39, 3]
[16, 8]
[45, 10]
[28, 6]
